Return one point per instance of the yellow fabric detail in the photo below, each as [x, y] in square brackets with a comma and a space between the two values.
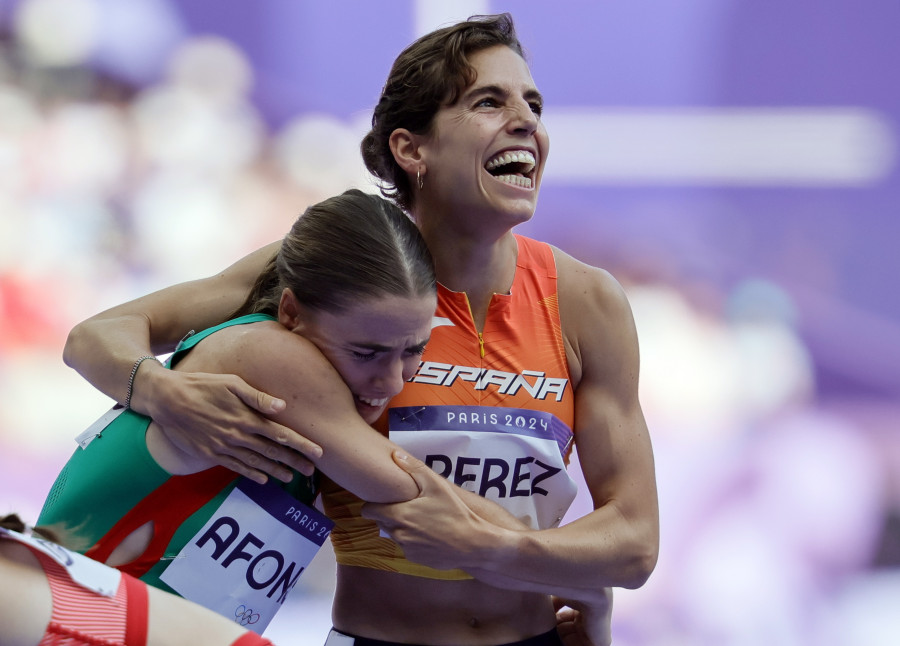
[357, 542]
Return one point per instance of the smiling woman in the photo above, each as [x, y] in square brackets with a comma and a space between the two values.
[530, 351]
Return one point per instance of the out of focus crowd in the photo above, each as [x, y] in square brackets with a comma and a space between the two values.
[779, 509]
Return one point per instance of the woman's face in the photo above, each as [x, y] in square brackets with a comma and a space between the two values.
[486, 152]
[375, 345]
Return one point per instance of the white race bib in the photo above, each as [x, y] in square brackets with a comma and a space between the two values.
[247, 558]
[512, 456]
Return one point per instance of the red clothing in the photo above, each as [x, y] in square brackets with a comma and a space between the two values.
[82, 617]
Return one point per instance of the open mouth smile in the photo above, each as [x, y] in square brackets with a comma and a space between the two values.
[515, 167]
[376, 403]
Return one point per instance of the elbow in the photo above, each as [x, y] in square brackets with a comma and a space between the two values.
[640, 561]
[639, 569]
[73, 340]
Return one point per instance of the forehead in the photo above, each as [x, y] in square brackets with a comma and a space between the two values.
[499, 65]
[381, 319]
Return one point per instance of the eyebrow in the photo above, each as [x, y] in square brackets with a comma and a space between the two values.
[530, 95]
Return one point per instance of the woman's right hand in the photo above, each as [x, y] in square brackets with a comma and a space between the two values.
[582, 624]
[223, 419]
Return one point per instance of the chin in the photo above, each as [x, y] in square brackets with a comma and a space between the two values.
[369, 415]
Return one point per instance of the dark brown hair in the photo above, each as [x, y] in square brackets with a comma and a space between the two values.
[16, 524]
[348, 247]
[430, 73]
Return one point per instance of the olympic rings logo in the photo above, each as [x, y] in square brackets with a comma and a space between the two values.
[244, 615]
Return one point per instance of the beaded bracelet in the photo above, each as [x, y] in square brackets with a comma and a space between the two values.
[134, 369]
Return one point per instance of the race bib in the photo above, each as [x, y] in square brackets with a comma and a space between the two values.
[512, 456]
[86, 572]
[91, 432]
[247, 558]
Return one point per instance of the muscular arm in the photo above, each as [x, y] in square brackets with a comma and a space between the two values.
[104, 347]
[616, 544]
[203, 414]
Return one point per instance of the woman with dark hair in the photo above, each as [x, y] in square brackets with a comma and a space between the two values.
[531, 351]
[348, 299]
[53, 596]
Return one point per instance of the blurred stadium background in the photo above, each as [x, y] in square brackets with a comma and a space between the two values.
[733, 162]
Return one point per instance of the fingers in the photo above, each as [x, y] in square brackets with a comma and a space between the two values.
[420, 472]
[230, 426]
[256, 399]
[293, 440]
[266, 404]
[242, 469]
[281, 444]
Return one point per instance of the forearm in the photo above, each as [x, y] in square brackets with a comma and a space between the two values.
[490, 511]
[576, 561]
[103, 351]
[103, 348]
[448, 527]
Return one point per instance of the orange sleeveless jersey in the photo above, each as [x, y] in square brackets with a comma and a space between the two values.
[518, 361]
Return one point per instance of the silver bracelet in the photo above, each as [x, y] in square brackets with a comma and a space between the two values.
[134, 369]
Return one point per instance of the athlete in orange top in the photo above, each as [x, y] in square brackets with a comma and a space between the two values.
[492, 411]
[458, 141]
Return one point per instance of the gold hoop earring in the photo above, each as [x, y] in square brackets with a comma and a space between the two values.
[419, 180]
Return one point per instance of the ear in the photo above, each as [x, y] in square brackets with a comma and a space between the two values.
[290, 312]
[405, 148]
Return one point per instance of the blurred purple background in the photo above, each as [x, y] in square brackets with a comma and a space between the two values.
[733, 162]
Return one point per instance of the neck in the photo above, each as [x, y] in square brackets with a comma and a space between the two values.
[477, 267]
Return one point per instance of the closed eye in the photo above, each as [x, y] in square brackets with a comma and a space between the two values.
[363, 356]
[418, 349]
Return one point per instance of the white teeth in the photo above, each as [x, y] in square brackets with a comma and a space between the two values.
[520, 156]
[373, 402]
[515, 180]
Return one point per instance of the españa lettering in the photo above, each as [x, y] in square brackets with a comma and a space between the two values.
[507, 383]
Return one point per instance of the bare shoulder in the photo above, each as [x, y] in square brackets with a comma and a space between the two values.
[268, 353]
[594, 311]
[579, 281]
[265, 354]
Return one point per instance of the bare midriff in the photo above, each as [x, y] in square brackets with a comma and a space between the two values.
[402, 608]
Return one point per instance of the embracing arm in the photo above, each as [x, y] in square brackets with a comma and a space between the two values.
[614, 545]
[320, 407]
[189, 406]
[104, 347]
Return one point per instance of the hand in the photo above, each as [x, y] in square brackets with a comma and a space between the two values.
[580, 624]
[221, 418]
[436, 528]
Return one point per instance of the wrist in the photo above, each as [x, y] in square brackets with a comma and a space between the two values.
[140, 383]
[494, 548]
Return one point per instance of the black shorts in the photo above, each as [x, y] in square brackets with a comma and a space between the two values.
[337, 638]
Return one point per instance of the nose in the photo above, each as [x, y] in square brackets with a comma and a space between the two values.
[523, 119]
[393, 375]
